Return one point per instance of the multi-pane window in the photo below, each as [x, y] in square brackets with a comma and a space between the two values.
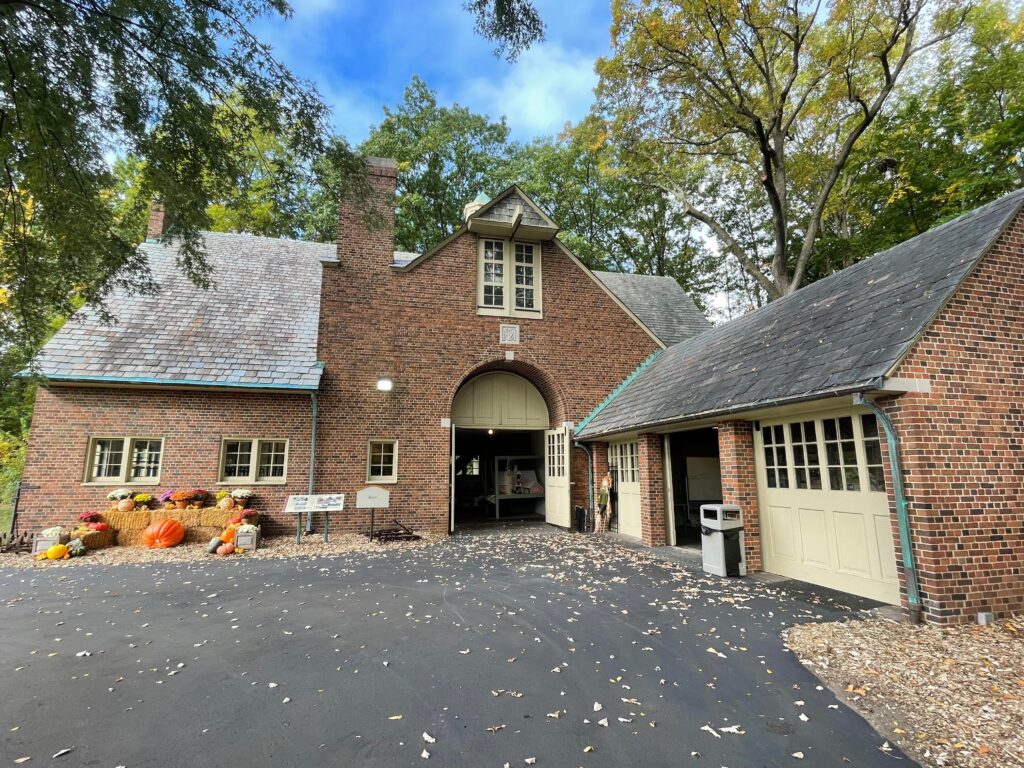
[237, 459]
[841, 454]
[556, 455]
[107, 455]
[253, 460]
[124, 460]
[806, 462]
[145, 459]
[382, 461]
[872, 452]
[271, 459]
[846, 449]
[524, 276]
[776, 467]
[509, 278]
[624, 457]
[493, 279]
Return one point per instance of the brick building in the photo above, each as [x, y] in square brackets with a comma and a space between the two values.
[328, 369]
[789, 412]
[472, 382]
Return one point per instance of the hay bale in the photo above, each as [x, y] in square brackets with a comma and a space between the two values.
[99, 539]
[201, 533]
[216, 517]
[127, 521]
[130, 538]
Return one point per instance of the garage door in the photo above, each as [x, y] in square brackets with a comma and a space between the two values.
[624, 457]
[824, 511]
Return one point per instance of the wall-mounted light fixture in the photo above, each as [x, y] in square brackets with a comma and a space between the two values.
[385, 384]
[490, 431]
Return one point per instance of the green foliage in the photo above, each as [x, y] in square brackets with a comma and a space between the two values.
[747, 112]
[182, 85]
[611, 220]
[444, 155]
[514, 25]
[954, 141]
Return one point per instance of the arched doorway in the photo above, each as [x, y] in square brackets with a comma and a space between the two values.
[507, 461]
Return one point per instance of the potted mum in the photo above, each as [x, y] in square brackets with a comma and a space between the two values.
[241, 497]
[181, 498]
[224, 500]
[199, 497]
[166, 498]
[143, 499]
[123, 498]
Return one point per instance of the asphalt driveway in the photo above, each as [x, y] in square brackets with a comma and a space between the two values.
[484, 650]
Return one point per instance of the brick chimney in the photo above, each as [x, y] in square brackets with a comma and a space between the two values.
[157, 219]
[370, 246]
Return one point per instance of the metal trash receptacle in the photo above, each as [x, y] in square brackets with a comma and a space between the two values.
[722, 540]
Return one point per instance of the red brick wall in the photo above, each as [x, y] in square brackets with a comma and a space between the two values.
[191, 424]
[739, 483]
[961, 444]
[422, 328]
[652, 489]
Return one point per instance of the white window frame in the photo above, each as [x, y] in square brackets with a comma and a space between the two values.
[625, 457]
[508, 307]
[382, 479]
[124, 470]
[252, 478]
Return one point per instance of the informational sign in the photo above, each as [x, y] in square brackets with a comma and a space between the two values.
[326, 502]
[373, 497]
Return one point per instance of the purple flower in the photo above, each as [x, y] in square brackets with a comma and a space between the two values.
[166, 495]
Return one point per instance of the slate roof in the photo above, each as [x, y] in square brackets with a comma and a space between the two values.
[839, 335]
[257, 328]
[660, 303]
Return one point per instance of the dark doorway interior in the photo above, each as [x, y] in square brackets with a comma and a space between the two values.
[696, 480]
[499, 476]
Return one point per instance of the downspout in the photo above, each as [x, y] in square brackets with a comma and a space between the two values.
[902, 514]
[590, 472]
[312, 462]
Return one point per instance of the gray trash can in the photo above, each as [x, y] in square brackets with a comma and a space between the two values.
[721, 528]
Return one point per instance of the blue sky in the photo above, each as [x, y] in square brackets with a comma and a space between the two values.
[361, 55]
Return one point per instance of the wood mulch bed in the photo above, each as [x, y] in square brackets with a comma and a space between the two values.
[270, 548]
[949, 696]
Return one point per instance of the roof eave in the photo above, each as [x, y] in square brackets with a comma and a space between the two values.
[872, 385]
[147, 382]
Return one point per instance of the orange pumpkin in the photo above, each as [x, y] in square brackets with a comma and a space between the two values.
[229, 534]
[163, 534]
[226, 549]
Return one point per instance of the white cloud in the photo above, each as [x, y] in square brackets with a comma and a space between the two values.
[547, 87]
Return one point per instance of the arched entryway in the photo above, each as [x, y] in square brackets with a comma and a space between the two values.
[508, 462]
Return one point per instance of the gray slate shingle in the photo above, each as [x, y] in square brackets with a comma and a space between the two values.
[840, 334]
[660, 303]
[257, 328]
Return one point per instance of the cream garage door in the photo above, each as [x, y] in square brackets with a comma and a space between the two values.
[624, 457]
[824, 511]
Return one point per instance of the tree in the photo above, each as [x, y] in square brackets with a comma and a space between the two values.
[444, 155]
[758, 101]
[954, 141]
[608, 218]
[156, 80]
[514, 25]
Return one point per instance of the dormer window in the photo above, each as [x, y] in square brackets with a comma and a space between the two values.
[509, 278]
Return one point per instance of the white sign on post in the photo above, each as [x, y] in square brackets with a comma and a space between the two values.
[326, 502]
[373, 497]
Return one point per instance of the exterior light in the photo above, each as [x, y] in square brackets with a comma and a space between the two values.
[385, 384]
[490, 431]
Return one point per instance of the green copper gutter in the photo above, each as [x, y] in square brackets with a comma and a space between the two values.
[178, 382]
[617, 391]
